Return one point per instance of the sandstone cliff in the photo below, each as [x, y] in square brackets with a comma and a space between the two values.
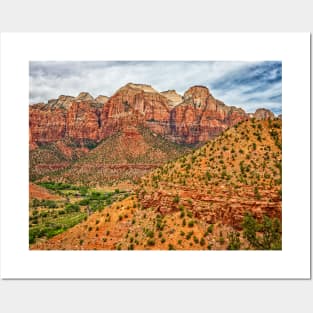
[192, 119]
[173, 97]
[202, 117]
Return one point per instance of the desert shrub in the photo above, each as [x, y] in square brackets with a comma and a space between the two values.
[189, 234]
[176, 199]
[171, 247]
[149, 233]
[233, 241]
[151, 242]
[269, 230]
[189, 214]
[191, 223]
[210, 228]
[257, 193]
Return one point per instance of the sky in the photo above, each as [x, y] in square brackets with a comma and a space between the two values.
[249, 85]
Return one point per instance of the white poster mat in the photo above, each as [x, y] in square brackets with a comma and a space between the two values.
[293, 49]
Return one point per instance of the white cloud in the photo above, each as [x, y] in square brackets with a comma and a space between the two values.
[51, 79]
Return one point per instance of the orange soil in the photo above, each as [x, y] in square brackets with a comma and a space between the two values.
[39, 192]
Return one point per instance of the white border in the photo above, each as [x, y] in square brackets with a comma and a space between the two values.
[16, 52]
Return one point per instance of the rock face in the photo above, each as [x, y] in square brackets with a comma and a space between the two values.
[173, 97]
[83, 121]
[61, 102]
[47, 123]
[192, 119]
[201, 117]
[135, 105]
[102, 99]
[263, 114]
[84, 96]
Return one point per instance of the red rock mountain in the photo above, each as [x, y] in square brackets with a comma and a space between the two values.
[263, 114]
[192, 119]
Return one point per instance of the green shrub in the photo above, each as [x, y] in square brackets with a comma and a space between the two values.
[233, 241]
[221, 240]
[151, 242]
[171, 247]
[84, 202]
[269, 230]
[70, 208]
[202, 242]
[210, 228]
[176, 199]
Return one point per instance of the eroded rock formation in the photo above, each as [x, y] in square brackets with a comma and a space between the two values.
[193, 118]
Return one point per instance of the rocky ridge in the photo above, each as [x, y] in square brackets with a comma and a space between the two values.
[239, 171]
[193, 118]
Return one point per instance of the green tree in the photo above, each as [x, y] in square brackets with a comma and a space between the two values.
[269, 230]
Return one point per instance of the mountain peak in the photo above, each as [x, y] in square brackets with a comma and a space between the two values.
[196, 91]
[84, 96]
[143, 87]
[102, 99]
[62, 101]
[198, 95]
[173, 97]
[263, 114]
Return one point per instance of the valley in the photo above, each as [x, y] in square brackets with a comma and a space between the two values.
[143, 170]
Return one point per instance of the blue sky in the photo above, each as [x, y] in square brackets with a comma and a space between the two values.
[249, 85]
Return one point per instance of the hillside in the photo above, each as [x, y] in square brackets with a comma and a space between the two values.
[238, 171]
[126, 155]
[224, 195]
[53, 157]
[64, 130]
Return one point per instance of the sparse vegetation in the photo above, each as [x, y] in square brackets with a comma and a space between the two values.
[188, 203]
[265, 235]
